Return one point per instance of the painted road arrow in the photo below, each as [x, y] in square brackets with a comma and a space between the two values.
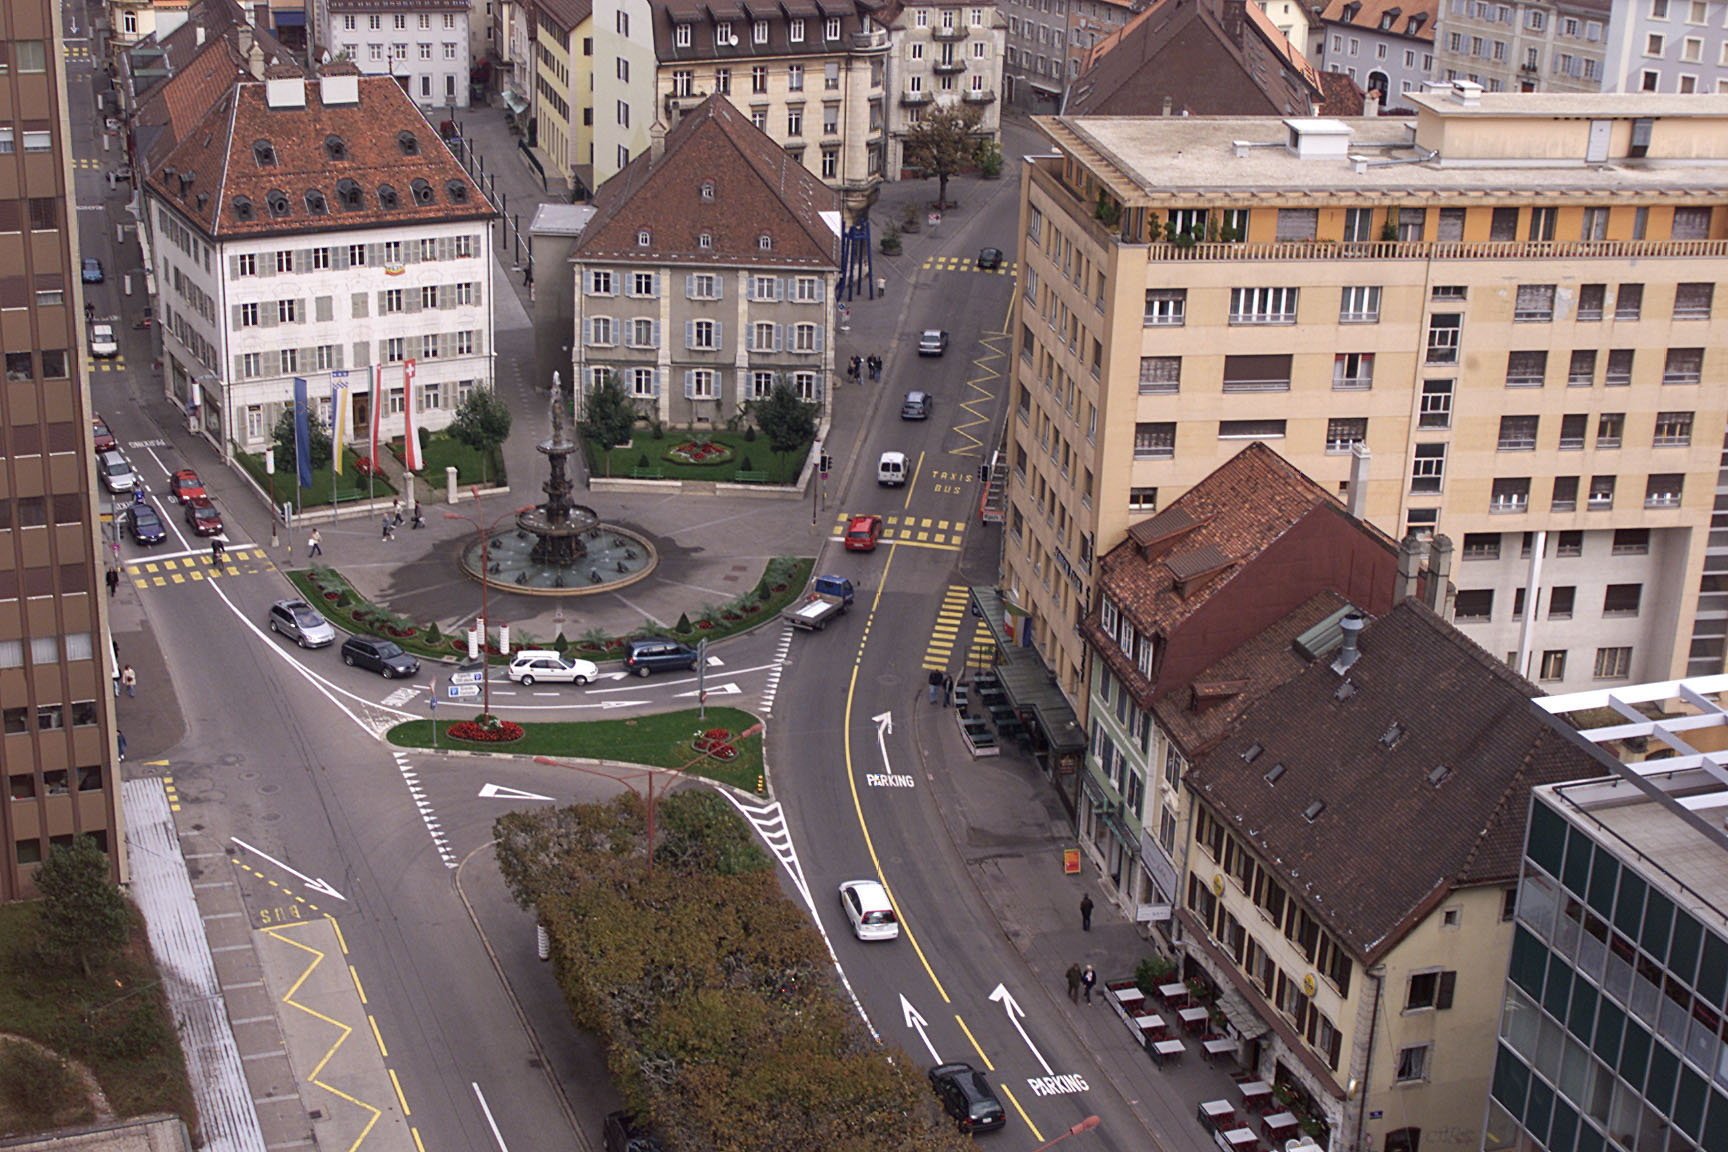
[615, 704]
[315, 885]
[1015, 1015]
[500, 792]
[917, 1022]
[727, 689]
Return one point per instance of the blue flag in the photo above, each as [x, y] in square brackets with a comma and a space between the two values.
[302, 434]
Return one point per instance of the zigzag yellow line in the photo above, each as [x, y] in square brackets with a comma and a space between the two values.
[976, 384]
[344, 1030]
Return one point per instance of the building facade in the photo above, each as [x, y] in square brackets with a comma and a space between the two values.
[1612, 1028]
[1524, 45]
[1385, 47]
[57, 749]
[1533, 370]
[706, 276]
[385, 259]
[425, 43]
[943, 54]
[563, 83]
[1668, 46]
[1047, 43]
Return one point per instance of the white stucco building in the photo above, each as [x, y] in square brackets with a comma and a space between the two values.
[428, 42]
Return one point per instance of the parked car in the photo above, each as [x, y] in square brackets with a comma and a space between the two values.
[645, 656]
[376, 654]
[917, 406]
[92, 271]
[862, 532]
[624, 1133]
[145, 525]
[990, 259]
[933, 342]
[301, 623]
[104, 439]
[116, 473]
[102, 342]
[184, 485]
[966, 1096]
[869, 911]
[201, 516]
[531, 665]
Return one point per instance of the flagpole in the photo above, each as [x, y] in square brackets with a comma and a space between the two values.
[377, 416]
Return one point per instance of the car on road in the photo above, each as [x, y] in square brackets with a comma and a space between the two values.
[624, 1133]
[92, 271]
[301, 623]
[102, 342]
[201, 516]
[116, 473]
[967, 1097]
[376, 654]
[933, 342]
[990, 259]
[531, 665]
[184, 485]
[645, 656]
[103, 439]
[917, 406]
[891, 470]
[862, 532]
[869, 911]
[145, 525]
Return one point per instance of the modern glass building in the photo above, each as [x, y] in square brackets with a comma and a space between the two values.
[1612, 1031]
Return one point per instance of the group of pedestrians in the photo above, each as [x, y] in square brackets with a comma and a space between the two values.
[859, 366]
[393, 520]
[941, 688]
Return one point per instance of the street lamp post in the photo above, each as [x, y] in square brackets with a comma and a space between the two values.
[624, 779]
[485, 532]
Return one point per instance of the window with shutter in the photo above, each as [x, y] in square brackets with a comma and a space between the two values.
[359, 306]
[326, 306]
[362, 354]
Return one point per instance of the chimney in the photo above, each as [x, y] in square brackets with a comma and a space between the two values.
[1167, 106]
[656, 142]
[1439, 590]
[1359, 459]
[1409, 568]
[339, 84]
[285, 92]
[1466, 93]
[1351, 627]
[198, 34]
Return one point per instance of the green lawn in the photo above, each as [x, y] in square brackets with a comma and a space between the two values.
[348, 487]
[442, 451]
[663, 741]
[623, 462]
[116, 1024]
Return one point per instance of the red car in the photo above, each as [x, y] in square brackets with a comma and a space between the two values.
[105, 441]
[184, 485]
[202, 516]
[862, 532]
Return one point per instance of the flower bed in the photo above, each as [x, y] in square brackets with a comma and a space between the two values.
[699, 452]
[498, 732]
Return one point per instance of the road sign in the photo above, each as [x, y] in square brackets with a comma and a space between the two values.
[467, 677]
[463, 691]
[935, 219]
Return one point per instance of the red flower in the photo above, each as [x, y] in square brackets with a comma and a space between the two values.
[502, 733]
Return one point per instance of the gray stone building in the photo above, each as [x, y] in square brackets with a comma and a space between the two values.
[1524, 45]
[1385, 46]
[1668, 46]
[948, 52]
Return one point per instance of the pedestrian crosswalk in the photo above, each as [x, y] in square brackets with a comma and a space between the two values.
[86, 164]
[106, 364]
[915, 531]
[173, 570]
[967, 264]
[952, 620]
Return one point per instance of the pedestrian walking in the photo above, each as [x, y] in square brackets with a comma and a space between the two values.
[129, 680]
[396, 510]
[419, 520]
[935, 686]
[389, 529]
[855, 363]
[947, 690]
[1086, 912]
[1088, 978]
[120, 742]
[875, 367]
[315, 544]
[113, 581]
[1074, 983]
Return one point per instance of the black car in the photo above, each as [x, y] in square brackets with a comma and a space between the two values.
[645, 656]
[624, 1133]
[384, 657]
[145, 525]
[967, 1097]
[990, 259]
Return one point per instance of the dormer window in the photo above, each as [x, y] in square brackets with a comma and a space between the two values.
[335, 148]
[457, 191]
[242, 208]
[349, 193]
[707, 191]
[409, 143]
[704, 241]
[386, 196]
[724, 37]
[277, 202]
[765, 242]
[681, 36]
[315, 203]
[422, 192]
[265, 153]
[644, 238]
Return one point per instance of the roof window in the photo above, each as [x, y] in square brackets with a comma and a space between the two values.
[1253, 751]
[1393, 735]
[265, 153]
[707, 191]
[408, 142]
[644, 238]
[765, 242]
[422, 191]
[386, 196]
[704, 240]
[277, 200]
[335, 148]
[1439, 774]
[347, 191]
[1276, 774]
[315, 202]
[457, 191]
[1312, 812]
[1344, 691]
[242, 208]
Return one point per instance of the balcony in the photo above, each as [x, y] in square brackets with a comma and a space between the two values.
[979, 96]
[683, 103]
[875, 40]
[918, 96]
[948, 67]
[956, 33]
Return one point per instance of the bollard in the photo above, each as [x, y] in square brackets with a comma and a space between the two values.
[450, 484]
[126, 284]
[542, 942]
[503, 639]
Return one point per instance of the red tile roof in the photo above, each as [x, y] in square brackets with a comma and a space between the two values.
[1412, 18]
[216, 178]
[757, 190]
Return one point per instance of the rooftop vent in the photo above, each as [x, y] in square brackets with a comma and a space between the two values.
[1312, 812]
[1313, 138]
[315, 202]
[408, 142]
[1253, 751]
[277, 201]
[335, 148]
[423, 193]
[265, 153]
[1276, 773]
[242, 208]
[1393, 736]
[1439, 774]
[202, 200]
[1351, 627]
[386, 196]
[457, 191]
[348, 192]
[1466, 93]
[341, 88]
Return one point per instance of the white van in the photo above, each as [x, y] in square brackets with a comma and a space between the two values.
[891, 469]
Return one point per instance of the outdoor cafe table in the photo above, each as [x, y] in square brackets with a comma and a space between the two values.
[1215, 1113]
[1192, 1018]
[1255, 1093]
[1173, 991]
[1162, 1050]
[1236, 1139]
[1279, 1126]
[1149, 1025]
[1221, 1046]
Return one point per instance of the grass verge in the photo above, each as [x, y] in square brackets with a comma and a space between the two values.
[747, 456]
[327, 487]
[443, 451]
[665, 740]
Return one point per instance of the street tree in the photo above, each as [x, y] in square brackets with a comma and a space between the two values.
[84, 915]
[482, 422]
[788, 422]
[608, 417]
[942, 143]
[283, 438]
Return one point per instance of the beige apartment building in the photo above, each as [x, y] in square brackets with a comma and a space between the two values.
[1507, 298]
[943, 54]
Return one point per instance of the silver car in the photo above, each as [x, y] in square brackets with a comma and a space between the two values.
[117, 474]
[301, 623]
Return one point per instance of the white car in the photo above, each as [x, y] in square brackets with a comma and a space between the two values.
[869, 911]
[102, 342]
[529, 666]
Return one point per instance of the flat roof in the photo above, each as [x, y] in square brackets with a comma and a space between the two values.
[1572, 105]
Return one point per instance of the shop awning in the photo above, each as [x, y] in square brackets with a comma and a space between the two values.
[1242, 1018]
[514, 102]
[1026, 680]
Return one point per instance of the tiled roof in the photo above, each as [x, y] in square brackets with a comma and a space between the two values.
[1411, 783]
[218, 176]
[1342, 95]
[757, 190]
[1207, 57]
[566, 14]
[173, 108]
[1412, 18]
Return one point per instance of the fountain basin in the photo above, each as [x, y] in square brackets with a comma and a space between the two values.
[609, 558]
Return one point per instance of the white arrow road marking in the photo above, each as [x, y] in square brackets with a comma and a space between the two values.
[610, 675]
[616, 704]
[917, 1022]
[715, 662]
[1015, 1015]
[884, 724]
[315, 885]
[727, 689]
[500, 792]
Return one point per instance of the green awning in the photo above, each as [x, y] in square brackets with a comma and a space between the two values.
[1025, 678]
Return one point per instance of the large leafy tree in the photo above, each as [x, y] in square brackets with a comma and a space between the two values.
[608, 416]
[84, 915]
[482, 422]
[283, 437]
[788, 422]
[942, 143]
